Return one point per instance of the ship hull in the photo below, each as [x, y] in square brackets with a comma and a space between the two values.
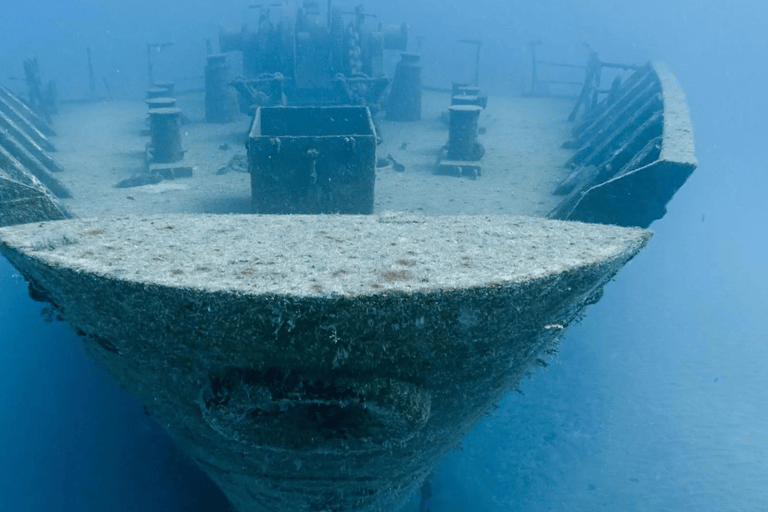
[315, 400]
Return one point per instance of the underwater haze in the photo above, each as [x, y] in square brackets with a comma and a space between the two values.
[656, 401]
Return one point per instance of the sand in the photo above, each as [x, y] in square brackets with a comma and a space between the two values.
[100, 145]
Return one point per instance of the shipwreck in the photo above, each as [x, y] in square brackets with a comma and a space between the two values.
[300, 312]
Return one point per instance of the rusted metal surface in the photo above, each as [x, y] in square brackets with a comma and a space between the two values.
[462, 153]
[632, 156]
[312, 160]
[28, 189]
[24, 131]
[40, 164]
[23, 197]
[310, 51]
[12, 102]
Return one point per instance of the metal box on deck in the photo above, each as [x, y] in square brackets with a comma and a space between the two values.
[310, 160]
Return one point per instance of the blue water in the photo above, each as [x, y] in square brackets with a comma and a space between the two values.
[656, 401]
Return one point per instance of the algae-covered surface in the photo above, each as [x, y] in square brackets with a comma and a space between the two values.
[297, 386]
[319, 255]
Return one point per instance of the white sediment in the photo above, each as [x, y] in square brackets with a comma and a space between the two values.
[99, 145]
[320, 255]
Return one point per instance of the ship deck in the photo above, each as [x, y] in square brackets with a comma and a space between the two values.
[100, 144]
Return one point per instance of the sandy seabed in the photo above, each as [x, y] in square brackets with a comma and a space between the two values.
[101, 144]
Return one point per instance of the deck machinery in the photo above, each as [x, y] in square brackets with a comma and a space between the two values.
[316, 61]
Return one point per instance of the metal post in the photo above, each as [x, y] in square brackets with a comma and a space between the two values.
[534, 79]
[91, 76]
[149, 65]
[150, 68]
[478, 44]
[593, 67]
[477, 63]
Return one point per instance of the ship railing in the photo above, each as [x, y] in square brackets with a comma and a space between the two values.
[592, 92]
[553, 78]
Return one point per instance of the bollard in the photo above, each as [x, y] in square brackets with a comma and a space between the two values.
[456, 88]
[473, 91]
[155, 103]
[468, 95]
[156, 92]
[469, 90]
[161, 102]
[463, 99]
[405, 98]
[165, 128]
[462, 134]
[220, 101]
[168, 86]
